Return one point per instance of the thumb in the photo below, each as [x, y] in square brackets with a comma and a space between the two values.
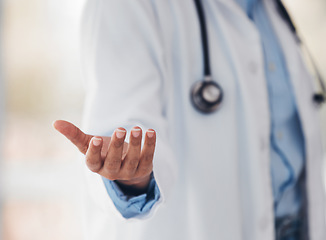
[74, 134]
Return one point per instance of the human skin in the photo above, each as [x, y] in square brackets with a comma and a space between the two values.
[111, 157]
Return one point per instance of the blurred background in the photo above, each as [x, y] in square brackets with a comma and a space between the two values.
[40, 81]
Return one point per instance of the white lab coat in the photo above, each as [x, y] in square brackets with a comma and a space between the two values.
[141, 58]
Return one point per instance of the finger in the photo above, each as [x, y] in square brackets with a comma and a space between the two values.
[147, 154]
[94, 161]
[74, 134]
[105, 146]
[113, 159]
[130, 162]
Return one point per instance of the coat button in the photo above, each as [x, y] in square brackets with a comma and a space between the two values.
[271, 67]
[253, 67]
[279, 135]
[263, 144]
[263, 223]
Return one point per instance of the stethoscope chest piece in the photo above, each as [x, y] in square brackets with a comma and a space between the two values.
[206, 96]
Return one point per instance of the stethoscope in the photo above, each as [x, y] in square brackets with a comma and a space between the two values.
[207, 95]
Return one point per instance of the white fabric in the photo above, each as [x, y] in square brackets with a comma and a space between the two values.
[140, 60]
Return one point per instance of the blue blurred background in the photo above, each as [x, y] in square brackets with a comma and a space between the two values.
[40, 81]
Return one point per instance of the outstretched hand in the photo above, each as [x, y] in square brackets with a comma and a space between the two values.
[112, 157]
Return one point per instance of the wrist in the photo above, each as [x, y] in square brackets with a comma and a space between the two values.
[134, 187]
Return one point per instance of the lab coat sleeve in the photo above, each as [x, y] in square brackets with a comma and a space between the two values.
[123, 65]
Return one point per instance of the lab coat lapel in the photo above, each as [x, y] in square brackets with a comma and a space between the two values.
[303, 87]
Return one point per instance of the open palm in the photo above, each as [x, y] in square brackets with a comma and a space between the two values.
[112, 157]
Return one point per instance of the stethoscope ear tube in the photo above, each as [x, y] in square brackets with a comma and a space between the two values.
[320, 97]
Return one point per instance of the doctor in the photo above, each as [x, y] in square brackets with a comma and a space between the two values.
[240, 159]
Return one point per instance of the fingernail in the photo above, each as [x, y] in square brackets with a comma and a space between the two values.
[120, 133]
[150, 133]
[135, 132]
[97, 142]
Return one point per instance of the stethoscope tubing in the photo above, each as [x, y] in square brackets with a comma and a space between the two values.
[197, 90]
